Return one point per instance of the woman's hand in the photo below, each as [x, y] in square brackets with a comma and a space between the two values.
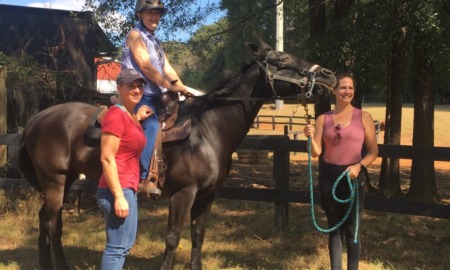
[309, 131]
[354, 170]
[121, 207]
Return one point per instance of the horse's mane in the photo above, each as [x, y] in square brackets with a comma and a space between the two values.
[226, 82]
[223, 86]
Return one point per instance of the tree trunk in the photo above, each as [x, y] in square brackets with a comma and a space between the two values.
[390, 167]
[316, 18]
[341, 6]
[3, 116]
[317, 25]
[423, 178]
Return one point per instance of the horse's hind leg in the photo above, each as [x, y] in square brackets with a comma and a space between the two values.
[45, 256]
[50, 224]
[199, 216]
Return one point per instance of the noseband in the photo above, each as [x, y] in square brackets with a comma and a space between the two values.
[307, 77]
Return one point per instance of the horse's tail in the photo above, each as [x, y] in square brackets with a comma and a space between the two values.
[26, 166]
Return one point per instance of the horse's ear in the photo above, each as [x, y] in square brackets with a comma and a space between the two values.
[259, 50]
[264, 46]
[253, 47]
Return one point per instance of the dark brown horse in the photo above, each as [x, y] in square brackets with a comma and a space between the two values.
[54, 149]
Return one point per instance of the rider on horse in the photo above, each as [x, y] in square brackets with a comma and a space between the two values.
[143, 51]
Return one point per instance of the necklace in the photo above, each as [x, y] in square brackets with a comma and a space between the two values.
[133, 116]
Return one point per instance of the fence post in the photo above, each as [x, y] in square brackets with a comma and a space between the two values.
[3, 128]
[256, 122]
[3, 111]
[281, 166]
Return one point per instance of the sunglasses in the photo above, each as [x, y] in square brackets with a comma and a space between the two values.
[158, 51]
[337, 130]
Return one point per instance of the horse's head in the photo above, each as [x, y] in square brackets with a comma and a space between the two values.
[289, 75]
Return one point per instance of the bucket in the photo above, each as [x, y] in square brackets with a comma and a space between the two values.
[252, 156]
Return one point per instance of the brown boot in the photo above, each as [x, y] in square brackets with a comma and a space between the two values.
[149, 189]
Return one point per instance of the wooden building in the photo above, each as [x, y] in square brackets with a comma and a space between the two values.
[65, 44]
[66, 41]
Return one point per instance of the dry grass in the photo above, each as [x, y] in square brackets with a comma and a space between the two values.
[240, 234]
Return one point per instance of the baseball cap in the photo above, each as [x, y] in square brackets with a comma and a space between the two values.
[129, 75]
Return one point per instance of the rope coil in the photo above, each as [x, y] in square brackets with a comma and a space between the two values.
[354, 196]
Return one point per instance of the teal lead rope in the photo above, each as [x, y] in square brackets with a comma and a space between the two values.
[351, 199]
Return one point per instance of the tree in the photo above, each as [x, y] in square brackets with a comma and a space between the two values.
[428, 30]
[317, 23]
[182, 17]
[390, 167]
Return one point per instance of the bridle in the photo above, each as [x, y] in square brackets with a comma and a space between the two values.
[307, 78]
[305, 82]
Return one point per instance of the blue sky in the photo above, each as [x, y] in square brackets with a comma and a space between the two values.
[76, 5]
[55, 4]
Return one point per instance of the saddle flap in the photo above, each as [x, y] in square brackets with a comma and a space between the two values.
[177, 133]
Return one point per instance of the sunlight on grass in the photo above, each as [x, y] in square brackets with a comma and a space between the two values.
[240, 236]
[10, 266]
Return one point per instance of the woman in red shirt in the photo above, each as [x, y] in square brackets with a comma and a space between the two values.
[122, 142]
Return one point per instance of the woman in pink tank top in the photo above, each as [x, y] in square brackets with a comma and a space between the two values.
[339, 136]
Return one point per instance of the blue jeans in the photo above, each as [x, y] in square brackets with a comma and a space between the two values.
[120, 232]
[150, 127]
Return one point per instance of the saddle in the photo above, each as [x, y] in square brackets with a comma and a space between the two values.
[167, 116]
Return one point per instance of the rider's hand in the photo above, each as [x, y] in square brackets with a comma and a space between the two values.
[182, 90]
[144, 112]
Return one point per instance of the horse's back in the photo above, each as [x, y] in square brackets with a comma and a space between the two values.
[53, 142]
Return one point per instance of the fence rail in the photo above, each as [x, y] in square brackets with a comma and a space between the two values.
[282, 196]
[275, 120]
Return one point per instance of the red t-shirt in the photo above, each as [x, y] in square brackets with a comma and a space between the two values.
[132, 142]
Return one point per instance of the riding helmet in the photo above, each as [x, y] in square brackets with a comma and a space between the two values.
[142, 5]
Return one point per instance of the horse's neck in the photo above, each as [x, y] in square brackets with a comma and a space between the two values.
[238, 116]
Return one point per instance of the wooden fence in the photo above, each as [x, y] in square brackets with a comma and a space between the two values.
[288, 123]
[281, 195]
[274, 120]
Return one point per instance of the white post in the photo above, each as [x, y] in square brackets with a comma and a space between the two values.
[280, 39]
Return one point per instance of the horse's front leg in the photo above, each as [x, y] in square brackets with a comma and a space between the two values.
[199, 216]
[179, 205]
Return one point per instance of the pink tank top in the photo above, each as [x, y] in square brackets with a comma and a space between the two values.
[343, 145]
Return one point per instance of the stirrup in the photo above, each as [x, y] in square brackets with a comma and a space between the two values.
[144, 186]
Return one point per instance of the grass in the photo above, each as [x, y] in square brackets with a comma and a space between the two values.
[240, 234]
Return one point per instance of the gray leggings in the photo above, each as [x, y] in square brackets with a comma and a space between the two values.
[335, 211]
